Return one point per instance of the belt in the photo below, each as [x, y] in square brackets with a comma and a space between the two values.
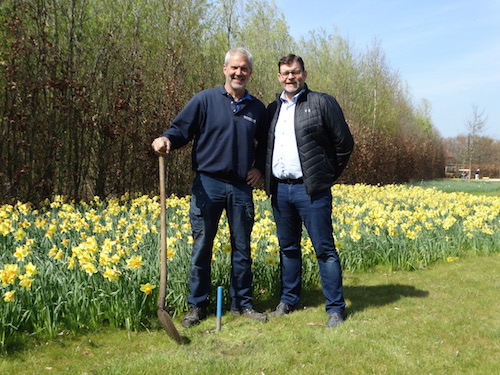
[290, 181]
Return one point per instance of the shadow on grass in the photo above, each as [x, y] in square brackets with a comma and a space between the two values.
[362, 297]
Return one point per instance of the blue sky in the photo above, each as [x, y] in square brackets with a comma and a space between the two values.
[447, 52]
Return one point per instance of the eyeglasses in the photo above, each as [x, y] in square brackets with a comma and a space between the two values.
[294, 73]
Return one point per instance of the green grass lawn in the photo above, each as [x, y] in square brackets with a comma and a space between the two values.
[476, 187]
[440, 320]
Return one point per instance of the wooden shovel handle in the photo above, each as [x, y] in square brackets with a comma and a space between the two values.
[163, 235]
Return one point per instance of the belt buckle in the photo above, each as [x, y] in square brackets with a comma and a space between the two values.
[290, 181]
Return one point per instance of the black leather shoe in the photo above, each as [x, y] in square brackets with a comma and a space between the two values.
[282, 309]
[335, 320]
[194, 316]
[250, 313]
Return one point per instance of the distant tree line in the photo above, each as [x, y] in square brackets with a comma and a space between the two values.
[86, 85]
[485, 155]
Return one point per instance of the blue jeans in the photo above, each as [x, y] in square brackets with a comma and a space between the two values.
[292, 207]
[209, 198]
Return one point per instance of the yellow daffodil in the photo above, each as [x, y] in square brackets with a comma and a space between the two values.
[9, 296]
[89, 268]
[25, 281]
[147, 288]
[270, 260]
[112, 274]
[20, 234]
[30, 269]
[135, 262]
[171, 254]
[21, 253]
[9, 274]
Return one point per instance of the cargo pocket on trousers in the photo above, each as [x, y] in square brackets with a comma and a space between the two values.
[196, 217]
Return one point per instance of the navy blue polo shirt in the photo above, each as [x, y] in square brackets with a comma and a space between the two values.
[224, 134]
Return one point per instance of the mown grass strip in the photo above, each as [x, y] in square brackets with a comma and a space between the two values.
[439, 320]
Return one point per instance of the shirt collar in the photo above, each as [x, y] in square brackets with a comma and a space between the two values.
[246, 97]
[294, 99]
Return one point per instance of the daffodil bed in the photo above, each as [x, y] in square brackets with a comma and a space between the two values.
[78, 265]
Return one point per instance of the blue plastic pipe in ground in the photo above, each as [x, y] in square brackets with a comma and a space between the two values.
[219, 308]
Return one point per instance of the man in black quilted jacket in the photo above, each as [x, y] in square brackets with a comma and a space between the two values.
[309, 145]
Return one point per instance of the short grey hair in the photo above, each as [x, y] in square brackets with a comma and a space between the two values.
[241, 51]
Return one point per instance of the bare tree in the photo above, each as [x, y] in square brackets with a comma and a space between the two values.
[475, 125]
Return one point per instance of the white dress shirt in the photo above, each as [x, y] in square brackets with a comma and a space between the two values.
[286, 162]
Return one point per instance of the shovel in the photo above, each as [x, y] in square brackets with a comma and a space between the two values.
[163, 316]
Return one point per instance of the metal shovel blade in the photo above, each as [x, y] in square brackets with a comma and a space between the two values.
[169, 327]
[163, 316]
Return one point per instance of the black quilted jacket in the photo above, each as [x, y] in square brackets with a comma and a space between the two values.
[323, 137]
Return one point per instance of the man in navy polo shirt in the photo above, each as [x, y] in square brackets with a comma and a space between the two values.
[229, 130]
